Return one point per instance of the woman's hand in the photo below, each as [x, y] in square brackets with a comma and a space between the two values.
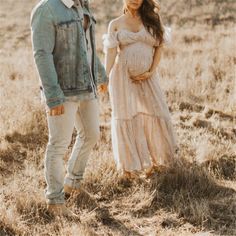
[142, 77]
[102, 88]
[152, 69]
[57, 111]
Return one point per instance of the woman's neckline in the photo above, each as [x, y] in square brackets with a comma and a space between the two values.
[141, 29]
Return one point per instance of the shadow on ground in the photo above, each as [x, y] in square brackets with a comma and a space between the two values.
[21, 146]
[190, 191]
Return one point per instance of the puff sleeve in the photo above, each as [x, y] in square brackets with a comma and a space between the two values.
[110, 41]
[167, 35]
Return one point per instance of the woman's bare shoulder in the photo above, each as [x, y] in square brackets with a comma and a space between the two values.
[114, 24]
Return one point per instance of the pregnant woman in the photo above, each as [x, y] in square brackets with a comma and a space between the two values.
[142, 133]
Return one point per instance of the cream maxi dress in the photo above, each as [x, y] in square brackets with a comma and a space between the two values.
[142, 133]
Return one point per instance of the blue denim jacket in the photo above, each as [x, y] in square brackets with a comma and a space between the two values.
[60, 52]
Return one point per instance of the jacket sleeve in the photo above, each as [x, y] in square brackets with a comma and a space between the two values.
[43, 40]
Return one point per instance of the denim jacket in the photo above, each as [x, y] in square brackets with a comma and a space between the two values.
[60, 51]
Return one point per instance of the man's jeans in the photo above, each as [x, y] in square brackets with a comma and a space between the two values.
[84, 116]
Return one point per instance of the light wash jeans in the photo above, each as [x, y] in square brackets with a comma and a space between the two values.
[84, 116]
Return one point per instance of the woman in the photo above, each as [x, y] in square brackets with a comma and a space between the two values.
[142, 133]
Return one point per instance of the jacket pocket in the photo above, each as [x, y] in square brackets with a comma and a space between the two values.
[67, 32]
[65, 51]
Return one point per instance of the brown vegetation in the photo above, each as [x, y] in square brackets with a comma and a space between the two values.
[197, 74]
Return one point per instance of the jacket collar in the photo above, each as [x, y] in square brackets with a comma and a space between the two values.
[68, 3]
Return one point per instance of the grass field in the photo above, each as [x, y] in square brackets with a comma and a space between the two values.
[198, 76]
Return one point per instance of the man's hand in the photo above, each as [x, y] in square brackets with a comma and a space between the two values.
[57, 111]
[102, 88]
[144, 76]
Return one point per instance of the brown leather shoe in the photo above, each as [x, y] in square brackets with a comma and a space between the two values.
[71, 191]
[60, 210]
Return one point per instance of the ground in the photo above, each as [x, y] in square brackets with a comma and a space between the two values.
[198, 77]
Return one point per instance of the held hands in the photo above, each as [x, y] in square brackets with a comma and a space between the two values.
[142, 77]
[57, 111]
[102, 88]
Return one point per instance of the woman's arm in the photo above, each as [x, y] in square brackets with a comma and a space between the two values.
[155, 63]
[156, 59]
[111, 53]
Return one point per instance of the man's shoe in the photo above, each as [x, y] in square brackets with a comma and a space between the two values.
[71, 191]
[60, 210]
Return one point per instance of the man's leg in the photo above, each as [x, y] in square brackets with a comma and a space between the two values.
[87, 125]
[60, 133]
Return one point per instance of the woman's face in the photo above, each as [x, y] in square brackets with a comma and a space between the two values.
[133, 4]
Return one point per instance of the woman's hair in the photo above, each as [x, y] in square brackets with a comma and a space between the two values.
[149, 13]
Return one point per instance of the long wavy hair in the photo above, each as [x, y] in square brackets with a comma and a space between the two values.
[151, 19]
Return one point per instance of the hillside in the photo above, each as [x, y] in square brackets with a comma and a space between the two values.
[198, 77]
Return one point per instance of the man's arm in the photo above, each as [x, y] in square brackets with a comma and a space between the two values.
[43, 40]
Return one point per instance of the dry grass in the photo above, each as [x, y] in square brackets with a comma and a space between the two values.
[198, 76]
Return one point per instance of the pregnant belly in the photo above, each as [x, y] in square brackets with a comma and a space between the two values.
[138, 58]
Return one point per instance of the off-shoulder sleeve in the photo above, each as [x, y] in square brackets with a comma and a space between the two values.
[167, 35]
[110, 41]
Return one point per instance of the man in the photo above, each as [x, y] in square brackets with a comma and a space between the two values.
[65, 55]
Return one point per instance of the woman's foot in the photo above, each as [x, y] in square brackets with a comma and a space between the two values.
[156, 169]
[161, 169]
[130, 175]
[149, 172]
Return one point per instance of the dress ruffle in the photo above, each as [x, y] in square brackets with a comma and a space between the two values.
[110, 40]
[140, 142]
